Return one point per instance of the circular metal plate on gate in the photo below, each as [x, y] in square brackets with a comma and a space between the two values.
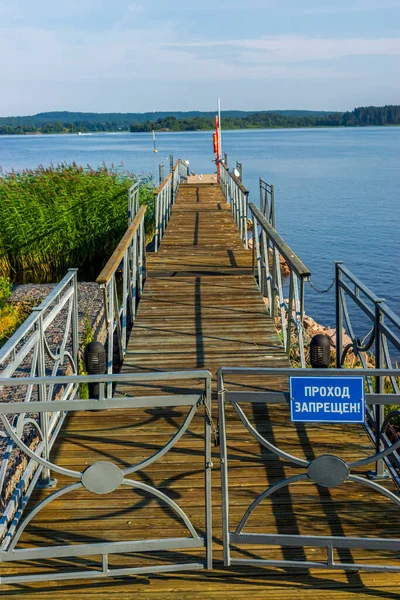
[328, 470]
[102, 477]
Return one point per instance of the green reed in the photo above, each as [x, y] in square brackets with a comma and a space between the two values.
[63, 216]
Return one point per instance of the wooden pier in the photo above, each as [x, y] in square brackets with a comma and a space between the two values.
[201, 309]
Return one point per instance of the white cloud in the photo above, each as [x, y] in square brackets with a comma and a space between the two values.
[59, 67]
[300, 49]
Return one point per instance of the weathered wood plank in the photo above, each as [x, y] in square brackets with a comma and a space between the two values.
[199, 309]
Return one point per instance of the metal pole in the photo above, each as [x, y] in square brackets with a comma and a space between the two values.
[219, 129]
[224, 471]
[339, 314]
[208, 465]
[75, 333]
[380, 470]
[45, 477]
[273, 220]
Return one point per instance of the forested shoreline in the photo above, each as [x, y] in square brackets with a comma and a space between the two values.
[40, 124]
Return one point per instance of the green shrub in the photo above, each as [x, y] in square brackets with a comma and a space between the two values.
[60, 217]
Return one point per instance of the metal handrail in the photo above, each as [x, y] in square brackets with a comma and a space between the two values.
[238, 197]
[194, 402]
[129, 258]
[385, 329]
[293, 261]
[29, 351]
[164, 198]
[267, 201]
[233, 538]
[268, 246]
[133, 201]
[118, 254]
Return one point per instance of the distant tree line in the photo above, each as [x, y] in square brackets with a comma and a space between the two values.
[368, 115]
[194, 121]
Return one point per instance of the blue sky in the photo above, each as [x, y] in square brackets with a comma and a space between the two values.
[116, 55]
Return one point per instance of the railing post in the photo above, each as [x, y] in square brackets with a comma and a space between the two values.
[258, 252]
[380, 470]
[134, 277]
[246, 213]
[140, 238]
[45, 476]
[74, 321]
[224, 470]
[109, 303]
[171, 162]
[208, 469]
[262, 204]
[125, 294]
[339, 314]
[273, 219]
[290, 314]
[157, 219]
[299, 307]
[161, 173]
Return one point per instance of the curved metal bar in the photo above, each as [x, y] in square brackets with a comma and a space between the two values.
[164, 450]
[48, 350]
[389, 364]
[29, 390]
[71, 360]
[376, 457]
[357, 345]
[353, 337]
[389, 416]
[345, 352]
[266, 443]
[154, 492]
[4, 463]
[38, 508]
[35, 457]
[67, 329]
[268, 492]
[375, 486]
[36, 425]
[54, 372]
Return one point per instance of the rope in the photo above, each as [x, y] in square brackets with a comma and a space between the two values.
[328, 289]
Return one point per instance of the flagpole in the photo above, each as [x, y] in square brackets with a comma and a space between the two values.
[219, 128]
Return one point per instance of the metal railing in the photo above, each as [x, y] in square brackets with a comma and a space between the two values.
[32, 352]
[133, 201]
[385, 332]
[267, 202]
[237, 537]
[103, 477]
[268, 247]
[122, 281]
[164, 198]
[238, 197]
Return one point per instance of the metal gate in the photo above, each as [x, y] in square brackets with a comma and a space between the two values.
[103, 477]
[326, 470]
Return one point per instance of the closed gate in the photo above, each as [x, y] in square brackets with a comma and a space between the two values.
[326, 471]
[104, 476]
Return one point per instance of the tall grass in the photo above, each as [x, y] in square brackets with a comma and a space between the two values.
[60, 217]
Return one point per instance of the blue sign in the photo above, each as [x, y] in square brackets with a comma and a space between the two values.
[327, 399]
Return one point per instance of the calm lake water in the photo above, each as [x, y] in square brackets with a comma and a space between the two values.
[337, 190]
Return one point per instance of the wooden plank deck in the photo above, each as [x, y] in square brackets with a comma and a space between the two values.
[201, 309]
